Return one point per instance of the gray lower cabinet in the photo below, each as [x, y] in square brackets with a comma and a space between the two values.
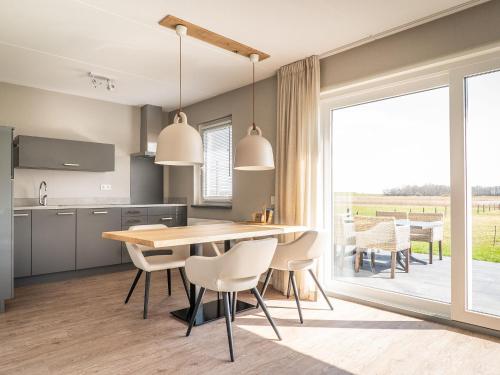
[91, 249]
[22, 243]
[53, 241]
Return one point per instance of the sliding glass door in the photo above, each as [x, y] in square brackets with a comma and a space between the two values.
[415, 192]
[475, 108]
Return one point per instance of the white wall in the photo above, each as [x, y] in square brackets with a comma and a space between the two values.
[48, 114]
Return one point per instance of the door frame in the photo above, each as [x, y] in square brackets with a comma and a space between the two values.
[447, 72]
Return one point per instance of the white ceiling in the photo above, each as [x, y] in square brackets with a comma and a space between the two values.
[53, 44]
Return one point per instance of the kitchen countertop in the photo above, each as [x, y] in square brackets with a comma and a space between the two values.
[67, 206]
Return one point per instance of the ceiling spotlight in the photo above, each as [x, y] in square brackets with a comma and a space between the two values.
[97, 81]
[110, 85]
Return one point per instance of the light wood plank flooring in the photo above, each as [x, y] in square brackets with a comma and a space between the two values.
[81, 326]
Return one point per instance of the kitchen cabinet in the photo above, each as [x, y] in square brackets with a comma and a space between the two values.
[22, 243]
[62, 154]
[53, 241]
[91, 249]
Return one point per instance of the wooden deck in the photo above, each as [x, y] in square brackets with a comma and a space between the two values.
[431, 281]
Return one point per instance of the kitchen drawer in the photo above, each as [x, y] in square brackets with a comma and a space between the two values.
[164, 210]
[134, 211]
[170, 220]
[128, 221]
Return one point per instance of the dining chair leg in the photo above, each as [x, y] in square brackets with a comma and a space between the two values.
[227, 313]
[320, 288]
[407, 260]
[266, 283]
[357, 258]
[134, 283]
[264, 308]
[296, 294]
[372, 261]
[195, 311]
[440, 244]
[289, 285]
[182, 271]
[393, 264]
[146, 294]
[234, 305]
[169, 282]
[430, 252]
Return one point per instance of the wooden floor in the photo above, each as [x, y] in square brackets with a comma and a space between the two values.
[81, 326]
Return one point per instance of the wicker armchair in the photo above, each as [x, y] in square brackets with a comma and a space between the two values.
[398, 215]
[344, 236]
[430, 235]
[381, 233]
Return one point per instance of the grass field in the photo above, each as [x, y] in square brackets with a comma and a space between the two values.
[485, 219]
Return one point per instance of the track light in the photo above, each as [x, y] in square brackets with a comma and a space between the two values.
[97, 81]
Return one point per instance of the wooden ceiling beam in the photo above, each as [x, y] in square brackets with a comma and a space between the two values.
[215, 39]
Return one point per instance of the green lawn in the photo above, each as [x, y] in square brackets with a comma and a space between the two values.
[485, 247]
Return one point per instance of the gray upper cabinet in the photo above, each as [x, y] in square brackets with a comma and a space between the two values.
[53, 241]
[22, 243]
[61, 154]
[91, 249]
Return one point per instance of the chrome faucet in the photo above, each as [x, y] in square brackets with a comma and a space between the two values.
[42, 200]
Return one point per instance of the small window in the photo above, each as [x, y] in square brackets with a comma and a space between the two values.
[216, 173]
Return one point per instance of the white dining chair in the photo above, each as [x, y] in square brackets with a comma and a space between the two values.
[152, 263]
[298, 255]
[236, 270]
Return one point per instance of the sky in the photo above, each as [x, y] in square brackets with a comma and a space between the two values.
[405, 140]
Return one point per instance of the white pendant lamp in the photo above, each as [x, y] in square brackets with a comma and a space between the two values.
[254, 152]
[179, 143]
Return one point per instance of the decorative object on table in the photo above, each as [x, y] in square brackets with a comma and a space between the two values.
[254, 152]
[265, 216]
[179, 143]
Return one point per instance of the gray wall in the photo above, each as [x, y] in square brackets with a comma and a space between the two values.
[251, 190]
[471, 28]
[48, 114]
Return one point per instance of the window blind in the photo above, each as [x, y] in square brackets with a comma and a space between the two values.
[217, 174]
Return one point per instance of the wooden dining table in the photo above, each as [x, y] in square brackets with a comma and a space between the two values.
[195, 236]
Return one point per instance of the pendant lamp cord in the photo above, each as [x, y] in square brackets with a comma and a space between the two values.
[180, 74]
[253, 96]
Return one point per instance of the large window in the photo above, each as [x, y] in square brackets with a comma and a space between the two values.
[391, 193]
[414, 192]
[216, 173]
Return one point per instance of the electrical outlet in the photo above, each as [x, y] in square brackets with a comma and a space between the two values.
[272, 200]
[105, 187]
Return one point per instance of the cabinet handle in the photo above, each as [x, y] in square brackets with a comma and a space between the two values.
[65, 213]
[133, 212]
[21, 215]
[133, 221]
[71, 164]
[100, 212]
[167, 218]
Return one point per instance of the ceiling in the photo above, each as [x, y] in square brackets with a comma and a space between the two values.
[53, 44]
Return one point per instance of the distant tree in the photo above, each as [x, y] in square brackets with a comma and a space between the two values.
[438, 190]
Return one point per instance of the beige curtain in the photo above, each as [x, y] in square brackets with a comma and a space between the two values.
[299, 157]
